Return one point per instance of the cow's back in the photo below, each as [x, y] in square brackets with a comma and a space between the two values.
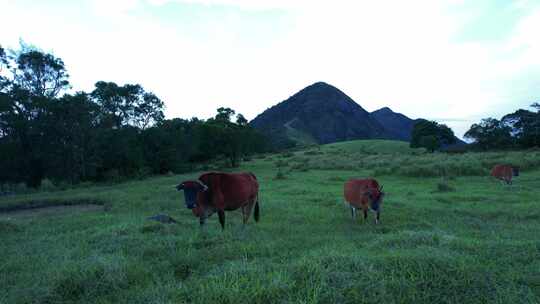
[239, 185]
[503, 172]
[236, 188]
[355, 190]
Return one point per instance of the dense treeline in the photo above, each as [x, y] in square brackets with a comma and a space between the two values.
[112, 132]
[517, 130]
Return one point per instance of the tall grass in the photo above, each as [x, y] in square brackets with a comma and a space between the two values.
[476, 244]
[423, 165]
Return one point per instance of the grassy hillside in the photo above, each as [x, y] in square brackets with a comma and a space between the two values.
[461, 238]
[372, 146]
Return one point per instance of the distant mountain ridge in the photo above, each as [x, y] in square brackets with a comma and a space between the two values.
[397, 125]
[321, 113]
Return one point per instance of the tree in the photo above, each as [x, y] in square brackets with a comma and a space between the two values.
[431, 135]
[70, 129]
[3, 65]
[148, 111]
[224, 114]
[127, 105]
[27, 90]
[241, 120]
[490, 133]
[524, 126]
[3, 59]
[430, 142]
[39, 73]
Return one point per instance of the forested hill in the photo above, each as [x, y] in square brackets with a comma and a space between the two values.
[319, 113]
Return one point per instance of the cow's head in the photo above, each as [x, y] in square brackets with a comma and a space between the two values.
[515, 171]
[191, 189]
[375, 198]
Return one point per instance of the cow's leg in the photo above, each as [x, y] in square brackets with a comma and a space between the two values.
[365, 214]
[353, 212]
[202, 219]
[221, 215]
[378, 218]
[246, 210]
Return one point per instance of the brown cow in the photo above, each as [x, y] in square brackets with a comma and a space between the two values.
[222, 192]
[364, 193]
[505, 173]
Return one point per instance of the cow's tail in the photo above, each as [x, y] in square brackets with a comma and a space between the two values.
[256, 212]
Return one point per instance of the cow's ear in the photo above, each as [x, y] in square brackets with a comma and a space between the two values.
[180, 187]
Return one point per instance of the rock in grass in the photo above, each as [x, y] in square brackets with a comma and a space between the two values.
[162, 218]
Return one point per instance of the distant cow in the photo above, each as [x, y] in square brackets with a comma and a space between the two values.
[505, 173]
[365, 194]
[222, 192]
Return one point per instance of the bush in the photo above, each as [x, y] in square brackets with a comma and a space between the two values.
[47, 185]
[313, 152]
[144, 172]
[287, 155]
[153, 227]
[281, 163]
[444, 187]
[302, 165]
[9, 227]
[280, 175]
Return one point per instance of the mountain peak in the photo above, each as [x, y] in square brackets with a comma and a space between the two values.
[321, 112]
[384, 110]
[397, 125]
[320, 84]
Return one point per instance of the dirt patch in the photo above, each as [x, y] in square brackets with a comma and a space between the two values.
[49, 211]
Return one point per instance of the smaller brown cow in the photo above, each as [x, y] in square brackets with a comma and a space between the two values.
[365, 194]
[220, 192]
[505, 173]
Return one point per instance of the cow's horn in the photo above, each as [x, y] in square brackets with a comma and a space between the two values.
[205, 187]
[380, 189]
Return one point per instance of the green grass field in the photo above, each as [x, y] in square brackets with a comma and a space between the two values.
[449, 234]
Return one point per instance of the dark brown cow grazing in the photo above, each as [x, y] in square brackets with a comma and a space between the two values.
[363, 193]
[222, 192]
[505, 173]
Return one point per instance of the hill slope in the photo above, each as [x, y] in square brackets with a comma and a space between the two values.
[320, 112]
[397, 125]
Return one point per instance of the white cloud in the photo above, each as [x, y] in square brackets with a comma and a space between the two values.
[400, 54]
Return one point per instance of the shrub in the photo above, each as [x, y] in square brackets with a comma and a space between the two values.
[154, 227]
[302, 165]
[9, 227]
[280, 175]
[287, 155]
[281, 163]
[313, 152]
[444, 187]
[47, 185]
[144, 172]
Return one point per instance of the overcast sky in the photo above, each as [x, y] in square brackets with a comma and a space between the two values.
[454, 61]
